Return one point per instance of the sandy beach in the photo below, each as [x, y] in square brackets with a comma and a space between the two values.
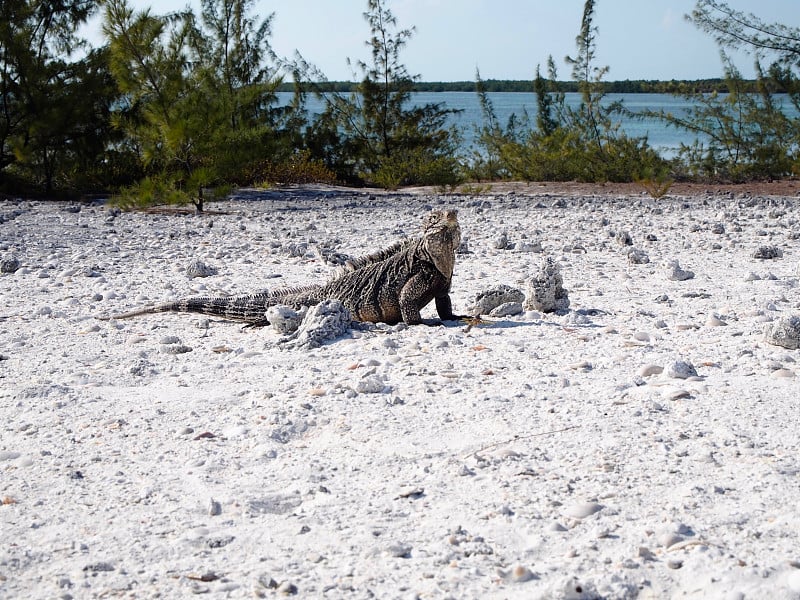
[642, 443]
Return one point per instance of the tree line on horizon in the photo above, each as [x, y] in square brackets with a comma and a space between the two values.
[181, 107]
[622, 86]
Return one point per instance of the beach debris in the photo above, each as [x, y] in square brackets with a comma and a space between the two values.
[9, 264]
[284, 319]
[545, 291]
[285, 588]
[623, 238]
[681, 369]
[295, 249]
[399, 550]
[507, 309]
[171, 344]
[768, 253]
[206, 577]
[323, 322]
[371, 384]
[198, 268]
[784, 332]
[214, 508]
[98, 567]
[488, 300]
[534, 246]
[637, 256]
[674, 271]
[273, 504]
[502, 242]
[330, 256]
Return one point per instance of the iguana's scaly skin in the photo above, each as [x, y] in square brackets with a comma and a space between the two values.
[389, 286]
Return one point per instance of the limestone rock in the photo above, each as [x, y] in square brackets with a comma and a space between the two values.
[545, 291]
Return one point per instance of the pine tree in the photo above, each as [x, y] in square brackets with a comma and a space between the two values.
[200, 97]
[53, 108]
[375, 133]
[736, 29]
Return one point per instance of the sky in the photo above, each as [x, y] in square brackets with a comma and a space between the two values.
[506, 39]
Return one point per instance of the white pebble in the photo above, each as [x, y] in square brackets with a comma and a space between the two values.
[793, 581]
[650, 370]
[582, 510]
[783, 373]
[521, 574]
[675, 394]
[669, 539]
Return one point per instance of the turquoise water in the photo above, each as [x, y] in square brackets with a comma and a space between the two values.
[664, 139]
[661, 137]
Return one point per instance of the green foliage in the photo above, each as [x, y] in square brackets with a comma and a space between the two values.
[564, 143]
[199, 97]
[162, 190]
[657, 185]
[372, 135]
[185, 104]
[744, 135]
[300, 168]
[54, 111]
[735, 29]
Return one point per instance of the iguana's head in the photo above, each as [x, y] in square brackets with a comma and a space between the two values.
[441, 235]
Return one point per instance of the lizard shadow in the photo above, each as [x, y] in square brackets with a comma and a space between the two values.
[501, 323]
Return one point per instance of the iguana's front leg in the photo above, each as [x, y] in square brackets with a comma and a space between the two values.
[409, 310]
[414, 295]
[419, 290]
[444, 307]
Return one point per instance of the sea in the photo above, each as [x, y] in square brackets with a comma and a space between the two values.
[665, 139]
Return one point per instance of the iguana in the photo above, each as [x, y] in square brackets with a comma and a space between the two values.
[388, 286]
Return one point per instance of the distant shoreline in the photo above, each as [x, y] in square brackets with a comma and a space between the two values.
[639, 86]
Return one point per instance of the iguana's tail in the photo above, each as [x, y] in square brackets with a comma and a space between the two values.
[250, 309]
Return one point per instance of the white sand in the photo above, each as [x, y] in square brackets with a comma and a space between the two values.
[538, 457]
